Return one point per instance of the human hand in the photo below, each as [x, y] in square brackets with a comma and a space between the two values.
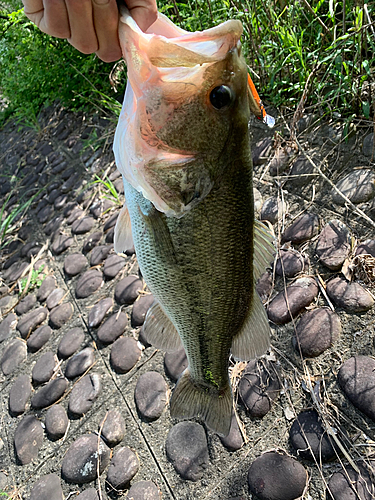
[89, 25]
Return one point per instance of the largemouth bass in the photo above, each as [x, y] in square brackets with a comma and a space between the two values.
[182, 144]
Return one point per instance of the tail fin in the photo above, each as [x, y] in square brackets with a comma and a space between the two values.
[214, 406]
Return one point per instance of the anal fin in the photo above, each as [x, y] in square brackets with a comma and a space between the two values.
[123, 239]
[159, 329]
[212, 405]
[254, 338]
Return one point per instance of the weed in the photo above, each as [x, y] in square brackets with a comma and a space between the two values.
[35, 280]
[109, 188]
[328, 44]
[9, 222]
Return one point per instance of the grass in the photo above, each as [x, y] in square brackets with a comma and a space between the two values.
[109, 189]
[29, 282]
[321, 52]
[9, 222]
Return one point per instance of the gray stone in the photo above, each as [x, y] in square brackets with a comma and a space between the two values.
[258, 200]
[273, 209]
[310, 439]
[61, 242]
[367, 247]
[31, 320]
[60, 202]
[98, 312]
[140, 308]
[186, 448]
[111, 222]
[91, 241]
[113, 427]
[28, 438]
[175, 363]
[46, 288]
[49, 393]
[259, 386]
[316, 332]
[80, 362]
[357, 380]
[334, 244]
[292, 301]
[350, 296]
[37, 339]
[82, 226]
[74, 215]
[234, 441]
[99, 254]
[125, 353]
[74, 264]
[15, 271]
[61, 315]
[302, 229]
[90, 494]
[348, 484]
[80, 464]
[273, 476]
[113, 327]
[289, 263]
[358, 186]
[19, 395]
[88, 283]
[151, 395]
[47, 488]
[84, 394]
[7, 326]
[262, 150]
[127, 289]
[301, 173]
[56, 421]
[45, 214]
[70, 342]
[13, 355]
[113, 265]
[123, 467]
[26, 304]
[281, 160]
[44, 368]
[143, 490]
[55, 298]
[368, 148]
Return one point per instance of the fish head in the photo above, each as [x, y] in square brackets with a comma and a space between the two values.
[185, 113]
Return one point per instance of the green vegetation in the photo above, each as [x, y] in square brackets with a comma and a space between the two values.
[9, 222]
[29, 282]
[322, 51]
[110, 192]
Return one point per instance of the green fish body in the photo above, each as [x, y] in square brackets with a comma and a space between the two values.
[198, 246]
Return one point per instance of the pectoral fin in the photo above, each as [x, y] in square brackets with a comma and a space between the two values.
[123, 239]
[159, 329]
[254, 338]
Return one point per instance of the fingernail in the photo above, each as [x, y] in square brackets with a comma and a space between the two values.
[101, 2]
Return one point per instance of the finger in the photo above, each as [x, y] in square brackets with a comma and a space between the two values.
[50, 16]
[144, 12]
[82, 31]
[106, 26]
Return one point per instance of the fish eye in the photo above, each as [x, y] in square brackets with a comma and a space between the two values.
[221, 96]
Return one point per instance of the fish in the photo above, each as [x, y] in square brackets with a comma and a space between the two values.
[182, 145]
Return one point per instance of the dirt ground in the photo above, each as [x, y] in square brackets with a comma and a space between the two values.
[301, 380]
